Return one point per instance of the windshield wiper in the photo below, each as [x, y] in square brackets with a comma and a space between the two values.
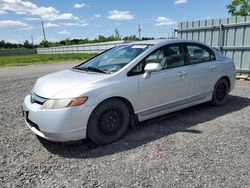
[79, 68]
[95, 69]
[92, 69]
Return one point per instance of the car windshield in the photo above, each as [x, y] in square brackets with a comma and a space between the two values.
[114, 59]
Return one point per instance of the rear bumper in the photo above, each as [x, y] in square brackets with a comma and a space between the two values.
[61, 125]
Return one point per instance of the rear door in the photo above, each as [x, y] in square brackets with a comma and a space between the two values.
[202, 70]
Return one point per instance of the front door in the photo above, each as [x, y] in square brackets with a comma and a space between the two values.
[167, 88]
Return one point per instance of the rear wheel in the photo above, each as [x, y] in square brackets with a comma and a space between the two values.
[220, 93]
[108, 122]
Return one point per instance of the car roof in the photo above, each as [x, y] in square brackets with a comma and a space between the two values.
[164, 41]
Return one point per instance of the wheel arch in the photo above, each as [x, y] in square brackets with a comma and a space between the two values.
[227, 79]
[133, 116]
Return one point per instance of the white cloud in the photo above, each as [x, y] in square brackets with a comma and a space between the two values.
[64, 32]
[46, 13]
[20, 13]
[33, 19]
[48, 25]
[79, 5]
[180, 1]
[97, 15]
[75, 24]
[2, 12]
[38, 39]
[17, 40]
[68, 24]
[120, 15]
[12, 23]
[97, 26]
[164, 21]
[28, 28]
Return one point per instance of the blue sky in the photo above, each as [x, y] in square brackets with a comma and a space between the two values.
[19, 19]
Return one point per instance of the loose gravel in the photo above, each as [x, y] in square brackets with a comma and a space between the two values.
[202, 146]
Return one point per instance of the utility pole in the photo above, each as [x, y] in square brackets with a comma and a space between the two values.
[32, 40]
[139, 31]
[175, 33]
[44, 36]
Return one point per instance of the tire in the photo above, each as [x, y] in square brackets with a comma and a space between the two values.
[108, 122]
[220, 93]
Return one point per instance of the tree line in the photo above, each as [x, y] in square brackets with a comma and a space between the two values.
[68, 41]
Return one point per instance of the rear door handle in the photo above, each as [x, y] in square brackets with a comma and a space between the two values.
[182, 74]
[212, 67]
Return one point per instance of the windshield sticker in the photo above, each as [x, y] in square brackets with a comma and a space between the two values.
[140, 46]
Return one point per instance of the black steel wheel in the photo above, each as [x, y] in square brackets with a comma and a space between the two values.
[108, 122]
[220, 93]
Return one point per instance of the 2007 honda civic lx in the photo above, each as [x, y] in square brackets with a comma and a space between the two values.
[129, 83]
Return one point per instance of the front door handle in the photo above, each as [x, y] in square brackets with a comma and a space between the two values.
[182, 74]
[212, 67]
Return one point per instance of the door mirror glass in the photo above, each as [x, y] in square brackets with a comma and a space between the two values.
[151, 67]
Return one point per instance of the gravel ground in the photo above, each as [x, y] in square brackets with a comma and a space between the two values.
[202, 146]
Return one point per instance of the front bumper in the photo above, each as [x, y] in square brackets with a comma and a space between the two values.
[61, 125]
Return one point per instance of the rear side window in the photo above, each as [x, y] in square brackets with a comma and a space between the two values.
[199, 54]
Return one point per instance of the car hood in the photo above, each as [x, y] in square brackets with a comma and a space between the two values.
[52, 84]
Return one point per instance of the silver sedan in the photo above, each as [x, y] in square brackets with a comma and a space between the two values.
[127, 84]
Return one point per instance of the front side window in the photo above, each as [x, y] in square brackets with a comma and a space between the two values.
[170, 56]
[155, 57]
[174, 57]
[114, 59]
[199, 54]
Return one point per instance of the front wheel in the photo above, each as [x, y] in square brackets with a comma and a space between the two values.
[220, 93]
[108, 122]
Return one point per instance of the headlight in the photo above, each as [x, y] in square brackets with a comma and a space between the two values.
[63, 103]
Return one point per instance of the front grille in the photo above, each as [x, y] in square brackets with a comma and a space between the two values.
[37, 99]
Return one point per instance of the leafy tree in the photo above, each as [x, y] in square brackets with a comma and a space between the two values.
[131, 38]
[101, 39]
[239, 8]
[8, 45]
[147, 38]
[67, 42]
[45, 44]
[28, 45]
[117, 35]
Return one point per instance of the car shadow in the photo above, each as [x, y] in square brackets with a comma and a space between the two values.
[148, 131]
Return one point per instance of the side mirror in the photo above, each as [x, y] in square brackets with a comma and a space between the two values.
[151, 67]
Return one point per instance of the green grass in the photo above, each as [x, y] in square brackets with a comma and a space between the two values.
[22, 60]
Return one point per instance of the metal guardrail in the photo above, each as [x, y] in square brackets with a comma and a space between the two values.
[18, 52]
[231, 36]
[84, 48]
